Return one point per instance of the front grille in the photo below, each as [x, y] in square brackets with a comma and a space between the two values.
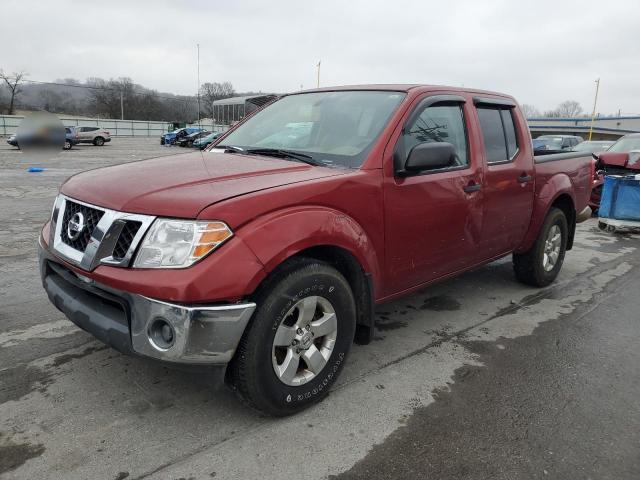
[91, 218]
[125, 239]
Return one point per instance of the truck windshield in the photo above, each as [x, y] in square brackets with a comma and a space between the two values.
[333, 128]
[625, 145]
[555, 142]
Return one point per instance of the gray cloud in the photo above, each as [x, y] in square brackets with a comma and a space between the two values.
[542, 52]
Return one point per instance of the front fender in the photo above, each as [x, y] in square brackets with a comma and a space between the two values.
[279, 235]
[553, 188]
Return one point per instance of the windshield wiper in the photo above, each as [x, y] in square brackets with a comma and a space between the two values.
[280, 153]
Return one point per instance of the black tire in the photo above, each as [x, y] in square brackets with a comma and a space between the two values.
[252, 373]
[190, 143]
[98, 141]
[67, 145]
[528, 266]
[602, 226]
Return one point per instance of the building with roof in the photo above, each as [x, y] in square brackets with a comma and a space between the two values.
[229, 110]
[604, 128]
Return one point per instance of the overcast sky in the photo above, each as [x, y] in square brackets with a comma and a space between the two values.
[541, 52]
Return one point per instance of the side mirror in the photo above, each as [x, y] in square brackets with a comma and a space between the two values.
[429, 156]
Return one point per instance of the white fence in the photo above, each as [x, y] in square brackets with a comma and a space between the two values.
[117, 128]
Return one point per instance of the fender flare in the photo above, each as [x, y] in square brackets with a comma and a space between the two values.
[557, 186]
[281, 234]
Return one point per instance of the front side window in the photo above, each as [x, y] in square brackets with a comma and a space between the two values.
[334, 128]
[439, 123]
[499, 134]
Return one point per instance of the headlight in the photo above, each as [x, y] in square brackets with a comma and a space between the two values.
[179, 243]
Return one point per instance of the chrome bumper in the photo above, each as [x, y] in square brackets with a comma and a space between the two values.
[128, 322]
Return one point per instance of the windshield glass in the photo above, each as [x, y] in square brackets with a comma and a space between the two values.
[551, 141]
[591, 146]
[625, 145]
[335, 128]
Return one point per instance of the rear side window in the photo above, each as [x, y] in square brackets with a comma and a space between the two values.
[509, 132]
[499, 134]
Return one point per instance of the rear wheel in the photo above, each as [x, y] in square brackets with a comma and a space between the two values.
[298, 340]
[67, 145]
[541, 264]
[98, 141]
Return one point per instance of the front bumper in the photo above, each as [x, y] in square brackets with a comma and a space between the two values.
[201, 334]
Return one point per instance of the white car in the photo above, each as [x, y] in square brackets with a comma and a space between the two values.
[96, 135]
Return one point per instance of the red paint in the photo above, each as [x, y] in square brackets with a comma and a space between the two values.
[406, 232]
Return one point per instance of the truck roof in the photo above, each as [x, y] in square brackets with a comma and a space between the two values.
[404, 88]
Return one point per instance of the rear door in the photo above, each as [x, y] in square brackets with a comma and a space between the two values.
[509, 176]
[433, 218]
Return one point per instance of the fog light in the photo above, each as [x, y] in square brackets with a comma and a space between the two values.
[161, 334]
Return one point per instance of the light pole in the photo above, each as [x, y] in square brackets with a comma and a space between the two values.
[198, 47]
[593, 114]
[318, 83]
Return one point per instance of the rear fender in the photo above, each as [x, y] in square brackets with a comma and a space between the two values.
[552, 190]
[275, 237]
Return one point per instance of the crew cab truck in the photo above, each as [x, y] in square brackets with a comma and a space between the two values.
[267, 252]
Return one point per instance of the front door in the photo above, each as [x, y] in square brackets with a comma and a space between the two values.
[433, 218]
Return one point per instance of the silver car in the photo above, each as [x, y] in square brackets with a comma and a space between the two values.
[96, 135]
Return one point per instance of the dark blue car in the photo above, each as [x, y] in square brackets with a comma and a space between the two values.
[172, 137]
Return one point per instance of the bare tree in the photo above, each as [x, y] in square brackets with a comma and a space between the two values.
[529, 110]
[210, 92]
[567, 109]
[570, 108]
[13, 82]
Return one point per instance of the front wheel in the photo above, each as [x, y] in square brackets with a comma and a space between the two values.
[541, 264]
[67, 145]
[298, 340]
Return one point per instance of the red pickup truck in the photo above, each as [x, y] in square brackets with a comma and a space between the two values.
[268, 252]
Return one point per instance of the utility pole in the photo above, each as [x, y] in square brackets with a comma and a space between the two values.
[198, 46]
[595, 102]
[318, 83]
[121, 105]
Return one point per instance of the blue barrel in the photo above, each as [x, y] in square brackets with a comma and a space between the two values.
[620, 198]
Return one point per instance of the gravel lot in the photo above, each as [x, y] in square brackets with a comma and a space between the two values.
[71, 408]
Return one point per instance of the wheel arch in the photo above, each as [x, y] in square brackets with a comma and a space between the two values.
[556, 193]
[326, 235]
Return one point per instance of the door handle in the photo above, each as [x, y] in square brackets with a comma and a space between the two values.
[524, 178]
[472, 187]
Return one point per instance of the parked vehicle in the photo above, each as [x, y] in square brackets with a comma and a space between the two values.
[189, 139]
[593, 146]
[546, 144]
[622, 158]
[205, 141]
[70, 139]
[172, 137]
[96, 135]
[268, 256]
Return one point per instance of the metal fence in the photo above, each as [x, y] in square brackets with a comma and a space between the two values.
[117, 128]
[210, 126]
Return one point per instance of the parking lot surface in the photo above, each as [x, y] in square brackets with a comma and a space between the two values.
[476, 377]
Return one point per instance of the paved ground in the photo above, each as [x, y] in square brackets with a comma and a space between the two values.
[478, 377]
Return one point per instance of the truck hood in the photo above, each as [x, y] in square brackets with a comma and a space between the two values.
[182, 185]
[629, 160]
